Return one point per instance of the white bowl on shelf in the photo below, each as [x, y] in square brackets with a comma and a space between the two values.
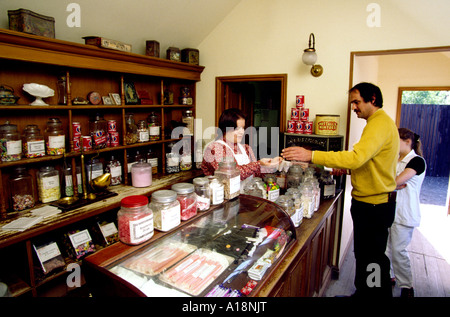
[38, 91]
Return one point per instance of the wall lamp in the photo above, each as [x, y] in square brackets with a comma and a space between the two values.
[310, 57]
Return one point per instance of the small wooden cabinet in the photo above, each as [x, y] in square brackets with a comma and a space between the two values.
[27, 58]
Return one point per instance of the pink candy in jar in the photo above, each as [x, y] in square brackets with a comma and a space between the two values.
[187, 199]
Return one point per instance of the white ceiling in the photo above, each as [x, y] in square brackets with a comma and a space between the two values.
[179, 23]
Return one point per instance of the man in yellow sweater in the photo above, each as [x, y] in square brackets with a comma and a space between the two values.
[372, 164]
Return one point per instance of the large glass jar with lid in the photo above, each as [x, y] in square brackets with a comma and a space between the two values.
[294, 176]
[21, 189]
[230, 177]
[114, 167]
[287, 204]
[143, 135]
[54, 137]
[131, 135]
[172, 160]
[48, 184]
[202, 191]
[154, 126]
[187, 198]
[256, 187]
[135, 220]
[166, 210]
[98, 128]
[94, 168]
[10, 143]
[273, 190]
[141, 174]
[33, 142]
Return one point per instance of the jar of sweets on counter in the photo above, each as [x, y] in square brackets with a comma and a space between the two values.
[230, 177]
[135, 220]
[166, 210]
[22, 189]
[48, 184]
[54, 137]
[201, 185]
[187, 198]
[10, 143]
[216, 190]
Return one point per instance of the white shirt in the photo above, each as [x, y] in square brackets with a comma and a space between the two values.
[408, 199]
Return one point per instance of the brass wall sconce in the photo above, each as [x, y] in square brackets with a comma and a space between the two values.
[310, 57]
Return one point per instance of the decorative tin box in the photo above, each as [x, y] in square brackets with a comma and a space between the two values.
[152, 48]
[31, 22]
[107, 43]
[173, 53]
[190, 55]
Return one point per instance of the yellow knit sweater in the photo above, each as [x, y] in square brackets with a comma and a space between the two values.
[372, 161]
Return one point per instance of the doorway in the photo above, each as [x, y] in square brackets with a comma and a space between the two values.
[262, 98]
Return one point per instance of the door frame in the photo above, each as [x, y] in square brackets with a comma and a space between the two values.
[222, 86]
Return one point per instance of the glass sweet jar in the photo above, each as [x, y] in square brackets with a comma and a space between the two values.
[230, 177]
[55, 137]
[154, 126]
[135, 220]
[187, 198]
[48, 184]
[166, 210]
[21, 189]
[33, 142]
[10, 143]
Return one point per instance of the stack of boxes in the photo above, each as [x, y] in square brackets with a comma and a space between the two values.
[300, 122]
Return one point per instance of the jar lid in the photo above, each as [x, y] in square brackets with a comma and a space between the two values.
[134, 201]
[141, 165]
[200, 181]
[31, 128]
[183, 188]
[7, 127]
[46, 168]
[164, 196]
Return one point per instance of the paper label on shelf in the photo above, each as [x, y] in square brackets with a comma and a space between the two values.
[48, 252]
[13, 147]
[36, 147]
[80, 238]
[56, 142]
[170, 218]
[108, 229]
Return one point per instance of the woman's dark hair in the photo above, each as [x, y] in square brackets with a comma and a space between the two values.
[369, 92]
[416, 144]
[228, 119]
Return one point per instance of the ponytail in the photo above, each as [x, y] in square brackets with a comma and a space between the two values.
[416, 143]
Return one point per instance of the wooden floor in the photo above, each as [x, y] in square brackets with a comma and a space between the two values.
[429, 252]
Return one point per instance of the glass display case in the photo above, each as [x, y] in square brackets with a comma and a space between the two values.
[229, 250]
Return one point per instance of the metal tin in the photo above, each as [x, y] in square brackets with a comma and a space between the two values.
[86, 142]
[327, 124]
[112, 125]
[76, 128]
[308, 128]
[304, 114]
[31, 22]
[152, 48]
[299, 127]
[291, 126]
[76, 144]
[294, 114]
[300, 101]
[114, 139]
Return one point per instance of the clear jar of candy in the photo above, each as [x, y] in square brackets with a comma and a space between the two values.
[55, 138]
[10, 143]
[166, 210]
[230, 177]
[33, 142]
[48, 184]
[201, 185]
[135, 220]
[187, 198]
[216, 190]
[22, 189]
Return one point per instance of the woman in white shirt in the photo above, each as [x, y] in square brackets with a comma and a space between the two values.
[411, 168]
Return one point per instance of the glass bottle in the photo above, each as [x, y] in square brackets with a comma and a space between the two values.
[142, 129]
[216, 189]
[62, 91]
[187, 198]
[172, 160]
[188, 119]
[48, 184]
[166, 210]
[186, 160]
[94, 168]
[199, 154]
[154, 126]
[230, 177]
[114, 167]
[68, 181]
[21, 189]
[33, 142]
[288, 206]
[79, 180]
[141, 174]
[131, 136]
[328, 185]
[54, 137]
[10, 143]
[202, 190]
[152, 160]
[98, 128]
[135, 220]
[296, 196]
[307, 199]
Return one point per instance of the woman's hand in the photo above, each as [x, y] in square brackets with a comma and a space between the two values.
[271, 162]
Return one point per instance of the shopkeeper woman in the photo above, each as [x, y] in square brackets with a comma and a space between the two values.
[228, 144]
